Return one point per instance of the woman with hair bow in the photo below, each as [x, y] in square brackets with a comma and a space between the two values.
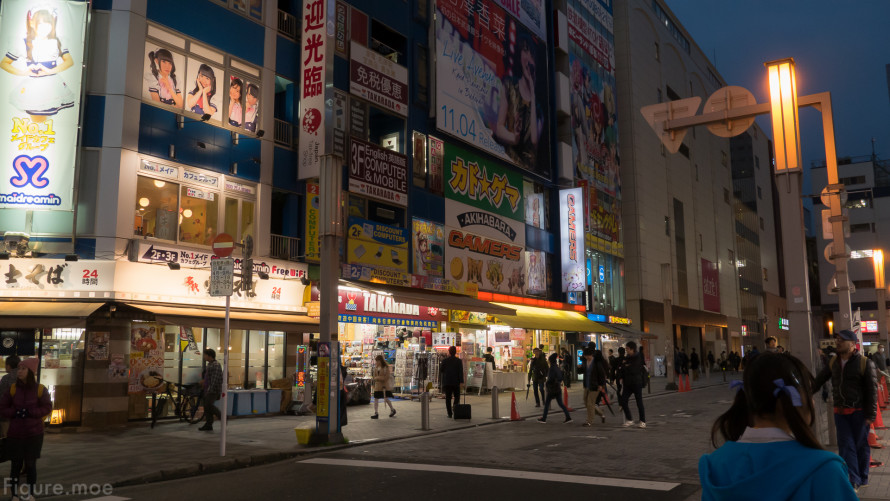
[769, 449]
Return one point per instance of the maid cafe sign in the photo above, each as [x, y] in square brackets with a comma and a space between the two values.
[40, 91]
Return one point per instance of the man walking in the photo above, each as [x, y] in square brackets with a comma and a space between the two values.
[452, 370]
[594, 385]
[632, 372]
[213, 381]
[855, 391]
[694, 363]
[537, 374]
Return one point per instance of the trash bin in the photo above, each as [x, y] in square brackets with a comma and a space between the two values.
[231, 404]
[273, 400]
[258, 401]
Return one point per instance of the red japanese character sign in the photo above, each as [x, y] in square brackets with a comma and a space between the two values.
[314, 74]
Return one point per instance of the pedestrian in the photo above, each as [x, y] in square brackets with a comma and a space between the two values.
[780, 349]
[537, 375]
[616, 368]
[710, 360]
[694, 364]
[566, 365]
[678, 362]
[612, 364]
[633, 372]
[554, 380]
[684, 362]
[855, 389]
[452, 372]
[26, 404]
[12, 364]
[769, 449]
[382, 385]
[344, 394]
[489, 357]
[722, 360]
[878, 358]
[772, 344]
[594, 385]
[213, 385]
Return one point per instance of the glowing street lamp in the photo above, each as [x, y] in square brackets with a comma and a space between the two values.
[881, 295]
[783, 110]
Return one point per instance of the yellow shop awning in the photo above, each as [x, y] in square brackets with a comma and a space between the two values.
[238, 319]
[45, 314]
[529, 317]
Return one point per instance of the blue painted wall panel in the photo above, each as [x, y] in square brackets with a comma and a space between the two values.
[219, 27]
[287, 58]
[94, 121]
[285, 174]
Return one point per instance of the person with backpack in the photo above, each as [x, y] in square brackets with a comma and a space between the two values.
[25, 405]
[855, 390]
[553, 384]
[537, 375]
[632, 375]
[769, 449]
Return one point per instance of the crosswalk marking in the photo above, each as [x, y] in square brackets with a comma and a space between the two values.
[493, 472]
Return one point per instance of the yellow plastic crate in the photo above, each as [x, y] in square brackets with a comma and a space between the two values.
[303, 435]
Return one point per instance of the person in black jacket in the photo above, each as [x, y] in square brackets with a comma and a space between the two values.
[855, 389]
[554, 378]
[694, 364]
[632, 375]
[452, 370]
[537, 375]
[594, 384]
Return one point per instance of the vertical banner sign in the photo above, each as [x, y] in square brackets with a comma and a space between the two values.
[314, 76]
[313, 244]
[571, 232]
[437, 164]
[40, 82]
[710, 285]
[322, 410]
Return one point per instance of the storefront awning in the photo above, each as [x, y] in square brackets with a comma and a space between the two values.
[45, 314]
[624, 330]
[436, 299]
[238, 319]
[529, 317]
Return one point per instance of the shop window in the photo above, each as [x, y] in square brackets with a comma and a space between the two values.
[237, 339]
[156, 203]
[256, 359]
[61, 366]
[285, 99]
[239, 218]
[198, 214]
[192, 358]
[276, 355]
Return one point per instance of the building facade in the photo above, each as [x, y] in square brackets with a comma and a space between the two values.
[867, 181]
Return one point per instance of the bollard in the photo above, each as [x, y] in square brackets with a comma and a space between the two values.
[495, 410]
[425, 411]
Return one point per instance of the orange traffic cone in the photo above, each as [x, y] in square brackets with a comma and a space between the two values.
[514, 414]
[688, 385]
[882, 397]
[873, 438]
[680, 383]
[565, 398]
[886, 390]
[879, 421]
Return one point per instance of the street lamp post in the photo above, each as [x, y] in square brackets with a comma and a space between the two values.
[727, 113]
[881, 296]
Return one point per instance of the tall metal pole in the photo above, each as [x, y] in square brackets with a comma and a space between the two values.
[331, 229]
[667, 292]
[788, 184]
[225, 383]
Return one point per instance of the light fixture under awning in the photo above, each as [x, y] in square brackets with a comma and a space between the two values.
[529, 317]
[238, 319]
[436, 299]
[46, 314]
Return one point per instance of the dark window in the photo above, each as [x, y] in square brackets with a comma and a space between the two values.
[864, 284]
[684, 150]
[657, 52]
[761, 223]
[421, 75]
[671, 94]
[862, 228]
[388, 42]
[759, 193]
[667, 226]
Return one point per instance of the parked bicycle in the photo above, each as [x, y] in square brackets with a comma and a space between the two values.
[188, 404]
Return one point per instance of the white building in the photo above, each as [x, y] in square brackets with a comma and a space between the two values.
[867, 181]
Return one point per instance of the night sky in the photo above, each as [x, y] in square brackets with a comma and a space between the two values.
[841, 47]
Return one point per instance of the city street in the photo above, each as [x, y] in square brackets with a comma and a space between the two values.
[523, 459]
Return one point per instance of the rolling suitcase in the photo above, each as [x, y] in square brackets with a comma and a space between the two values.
[462, 411]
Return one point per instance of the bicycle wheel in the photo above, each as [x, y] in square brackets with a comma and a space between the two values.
[196, 410]
[158, 411]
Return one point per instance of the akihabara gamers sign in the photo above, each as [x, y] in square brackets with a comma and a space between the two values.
[571, 232]
[40, 79]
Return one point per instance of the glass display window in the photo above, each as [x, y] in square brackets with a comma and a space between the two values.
[198, 215]
[156, 206]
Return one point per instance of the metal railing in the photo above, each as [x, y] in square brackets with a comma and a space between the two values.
[284, 133]
[288, 25]
[287, 248]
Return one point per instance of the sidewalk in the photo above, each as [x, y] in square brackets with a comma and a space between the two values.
[137, 454]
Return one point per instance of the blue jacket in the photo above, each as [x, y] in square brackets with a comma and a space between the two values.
[775, 470]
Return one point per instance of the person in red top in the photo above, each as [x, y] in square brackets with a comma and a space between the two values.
[25, 405]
